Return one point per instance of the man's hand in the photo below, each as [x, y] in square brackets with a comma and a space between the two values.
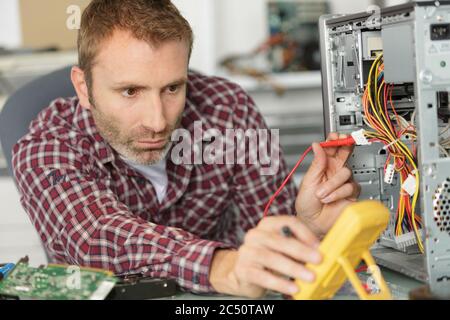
[326, 188]
[266, 259]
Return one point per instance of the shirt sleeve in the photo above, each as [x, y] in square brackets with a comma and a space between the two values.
[82, 222]
[256, 181]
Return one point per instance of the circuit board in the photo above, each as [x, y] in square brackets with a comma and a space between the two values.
[56, 282]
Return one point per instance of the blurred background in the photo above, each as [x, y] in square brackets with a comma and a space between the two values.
[270, 48]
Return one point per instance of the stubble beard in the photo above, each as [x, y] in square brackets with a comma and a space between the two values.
[124, 144]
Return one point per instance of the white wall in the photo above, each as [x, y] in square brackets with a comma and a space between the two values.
[241, 26]
[350, 6]
[201, 14]
[10, 33]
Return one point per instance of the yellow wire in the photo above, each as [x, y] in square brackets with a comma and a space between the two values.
[398, 146]
[413, 207]
[369, 83]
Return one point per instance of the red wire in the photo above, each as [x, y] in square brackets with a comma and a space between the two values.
[266, 210]
[362, 268]
[349, 141]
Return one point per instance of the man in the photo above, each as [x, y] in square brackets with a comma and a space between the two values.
[97, 178]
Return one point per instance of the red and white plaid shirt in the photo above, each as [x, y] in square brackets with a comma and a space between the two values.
[91, 209]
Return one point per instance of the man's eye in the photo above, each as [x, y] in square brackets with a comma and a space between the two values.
[129, 93]
[173, 89]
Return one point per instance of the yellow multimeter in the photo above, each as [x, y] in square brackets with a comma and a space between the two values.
[343, 248]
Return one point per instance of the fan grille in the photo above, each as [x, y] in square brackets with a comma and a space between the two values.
[441, 206]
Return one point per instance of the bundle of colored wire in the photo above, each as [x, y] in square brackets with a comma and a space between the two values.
[377, 96]
[376, 99]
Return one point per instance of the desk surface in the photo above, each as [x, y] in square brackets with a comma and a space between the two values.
[399, 284]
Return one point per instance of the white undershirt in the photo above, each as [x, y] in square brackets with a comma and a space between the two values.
[156, 174]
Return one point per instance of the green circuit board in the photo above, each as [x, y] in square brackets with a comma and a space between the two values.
[56, 282]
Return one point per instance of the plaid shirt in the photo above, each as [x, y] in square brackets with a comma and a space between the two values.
[91, 209]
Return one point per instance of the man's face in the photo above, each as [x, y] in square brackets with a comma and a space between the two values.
[138, 95]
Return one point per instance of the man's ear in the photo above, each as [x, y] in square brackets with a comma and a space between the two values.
[79, 82]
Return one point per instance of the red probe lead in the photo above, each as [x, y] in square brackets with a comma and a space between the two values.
[338, 143]
[325, 144]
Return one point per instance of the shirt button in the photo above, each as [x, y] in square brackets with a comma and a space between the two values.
[195, 279]
[141, 181]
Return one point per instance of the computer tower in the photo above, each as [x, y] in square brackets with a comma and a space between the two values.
[387, 71]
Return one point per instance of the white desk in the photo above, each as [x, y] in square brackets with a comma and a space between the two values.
[17, 235]
[399, 285]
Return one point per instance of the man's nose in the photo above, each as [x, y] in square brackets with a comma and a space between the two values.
[153, 115]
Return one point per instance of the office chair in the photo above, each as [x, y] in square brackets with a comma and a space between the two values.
[24, 105]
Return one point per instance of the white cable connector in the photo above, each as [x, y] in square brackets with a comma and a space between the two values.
[360, 139]
[389, 174]
[409, 185]
[407, 239]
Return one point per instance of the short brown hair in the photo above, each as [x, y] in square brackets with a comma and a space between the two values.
[154, 21]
